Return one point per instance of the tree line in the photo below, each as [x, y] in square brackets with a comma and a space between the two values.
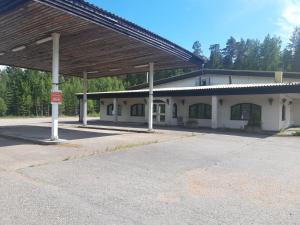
[27, 92]
[252, 54]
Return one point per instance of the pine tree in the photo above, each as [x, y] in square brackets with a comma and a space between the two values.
[270, 54]
[215, 59]
[197, 48]
[229, 53]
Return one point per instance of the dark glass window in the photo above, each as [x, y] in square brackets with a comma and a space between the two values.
[200, 111]
[109, 110]
[174, 110]
[137, 110]
[283, 114]
[245, 111]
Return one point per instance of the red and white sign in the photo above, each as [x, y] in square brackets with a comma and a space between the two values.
[56, 97]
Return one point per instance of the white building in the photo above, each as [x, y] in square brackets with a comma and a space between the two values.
[210, 98]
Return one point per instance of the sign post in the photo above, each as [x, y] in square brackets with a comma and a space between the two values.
[56, 97]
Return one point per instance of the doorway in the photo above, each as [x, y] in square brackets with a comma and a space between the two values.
[159, 113]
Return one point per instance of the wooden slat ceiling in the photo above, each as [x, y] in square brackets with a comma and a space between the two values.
[84, 45]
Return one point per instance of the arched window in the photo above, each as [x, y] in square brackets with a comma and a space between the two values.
[137, 110]
[109, 110]
[283, 114]
[200, 111]
[245, 111]
[174, 110]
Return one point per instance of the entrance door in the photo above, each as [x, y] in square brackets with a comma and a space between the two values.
[159, 113]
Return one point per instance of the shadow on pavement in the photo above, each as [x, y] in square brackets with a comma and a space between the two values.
[126, 125]
[43, 133]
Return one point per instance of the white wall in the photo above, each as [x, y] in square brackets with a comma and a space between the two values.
[190, 82]
[296, 112]
[183, 109]
[125, 117]
[289, 113]
[222, 79]
[271, 113]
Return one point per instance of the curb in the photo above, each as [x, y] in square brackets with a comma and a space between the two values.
[34, 141]
[115, 129]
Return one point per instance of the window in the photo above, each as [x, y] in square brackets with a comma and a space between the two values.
[283, 115]
[245, 111]
[137, 110]
[200, 111]
[174, 112]
[110, 110]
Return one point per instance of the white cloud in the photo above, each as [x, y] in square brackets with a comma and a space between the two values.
[289, 18]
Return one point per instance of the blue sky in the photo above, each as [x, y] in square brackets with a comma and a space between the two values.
[209, 21]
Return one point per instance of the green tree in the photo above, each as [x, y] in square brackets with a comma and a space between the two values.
[287, 60]
[271, 53]
[215, 59]
[197, 48]
[294, 46]
[229, 53]
[3, 107]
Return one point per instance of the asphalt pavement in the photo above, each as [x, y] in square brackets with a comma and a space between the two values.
[208, 179]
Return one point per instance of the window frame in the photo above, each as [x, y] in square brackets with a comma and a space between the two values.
[283, 113]
[206, 112]
[139, 109]
[175, 111]
[109, 108]
[251, 109]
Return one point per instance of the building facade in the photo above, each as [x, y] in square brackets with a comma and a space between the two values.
[215, 99]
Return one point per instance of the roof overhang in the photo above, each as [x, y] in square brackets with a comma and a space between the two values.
[218, 90]
[92, 40]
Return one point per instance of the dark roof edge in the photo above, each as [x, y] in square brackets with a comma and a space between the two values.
[218, 72]
[276, 89]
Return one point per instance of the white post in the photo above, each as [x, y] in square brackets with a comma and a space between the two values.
[115, 111]
[85, 107]
[55, 85]
[214, 111]
[81, 110]
[150, 101]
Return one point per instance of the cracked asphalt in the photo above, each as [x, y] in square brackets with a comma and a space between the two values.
[209, 179]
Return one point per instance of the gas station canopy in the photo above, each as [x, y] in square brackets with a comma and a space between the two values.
[91, 40]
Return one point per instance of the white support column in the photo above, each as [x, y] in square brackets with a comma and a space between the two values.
[81, 110]
[55, 85]
[150, 101]
[85, 107]
[115, 111]
[214, 111]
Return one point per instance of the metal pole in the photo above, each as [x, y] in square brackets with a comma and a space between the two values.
[55, 85]
[150, 102]
[85, 107]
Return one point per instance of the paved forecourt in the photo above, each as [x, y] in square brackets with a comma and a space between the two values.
[197, 179]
